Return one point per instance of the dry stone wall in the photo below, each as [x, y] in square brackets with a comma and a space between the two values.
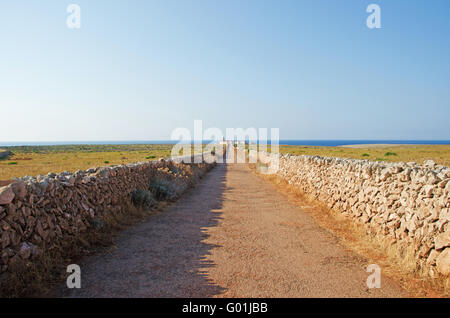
[38, 213]
[406, 202]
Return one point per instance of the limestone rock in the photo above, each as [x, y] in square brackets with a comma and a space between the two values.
[6, 195]
[25, 250]
[442, 240]
[443, 262]
[431, 260]
[429, 164]
[19, 189]
[385, 174]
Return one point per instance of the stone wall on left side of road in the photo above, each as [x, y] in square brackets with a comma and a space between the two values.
[39, 213]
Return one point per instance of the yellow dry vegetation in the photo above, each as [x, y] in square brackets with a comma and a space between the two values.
[417, 153]
[37, 160]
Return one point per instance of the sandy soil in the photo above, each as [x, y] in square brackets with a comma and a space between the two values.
[233, 236]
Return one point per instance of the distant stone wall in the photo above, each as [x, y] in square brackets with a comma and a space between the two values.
[407, 202]
[37, 214]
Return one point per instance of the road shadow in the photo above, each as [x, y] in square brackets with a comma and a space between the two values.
[167, 256]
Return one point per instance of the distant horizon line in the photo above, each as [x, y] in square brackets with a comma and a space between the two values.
[121, 140]
[307, 142]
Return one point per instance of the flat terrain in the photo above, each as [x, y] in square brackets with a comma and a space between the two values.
[35, 160]
[234, 236]
[391, 153]
[367, 146]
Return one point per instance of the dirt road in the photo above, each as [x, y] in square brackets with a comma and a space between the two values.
[233, 236]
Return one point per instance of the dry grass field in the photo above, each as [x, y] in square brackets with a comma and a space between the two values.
[404, 153]
[35, 160]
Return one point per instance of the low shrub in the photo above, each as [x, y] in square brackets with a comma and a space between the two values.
[162, 189]
[143, 199]
[175, 169]
[97, 223]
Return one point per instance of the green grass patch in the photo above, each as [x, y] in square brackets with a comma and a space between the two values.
[365, 155]
[13, 163]
[390, 154]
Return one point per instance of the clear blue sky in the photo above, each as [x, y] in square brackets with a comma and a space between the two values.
[138, 69]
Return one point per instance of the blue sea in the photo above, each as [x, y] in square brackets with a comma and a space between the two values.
[320, 142]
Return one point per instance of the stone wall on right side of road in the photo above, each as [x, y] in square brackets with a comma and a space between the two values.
[406, 202]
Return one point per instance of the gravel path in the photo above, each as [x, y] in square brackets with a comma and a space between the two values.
[233, 236]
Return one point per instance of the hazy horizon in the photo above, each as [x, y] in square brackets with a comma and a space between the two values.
[304, 142]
